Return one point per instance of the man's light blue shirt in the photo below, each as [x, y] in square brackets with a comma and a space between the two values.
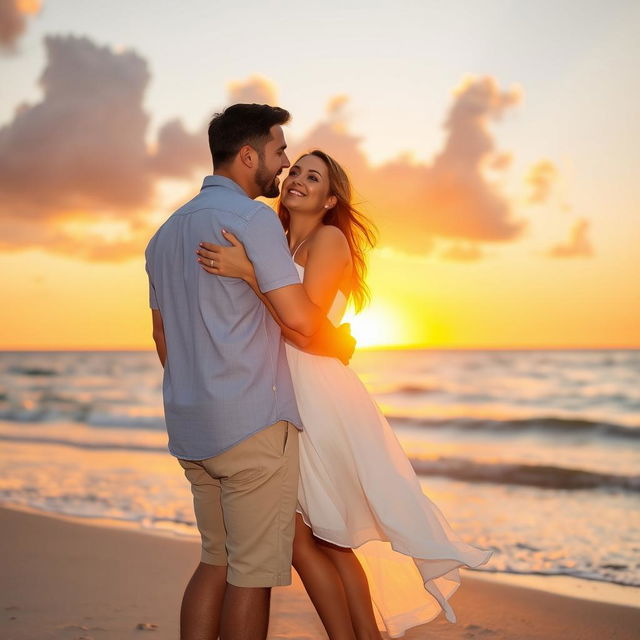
[226, 375]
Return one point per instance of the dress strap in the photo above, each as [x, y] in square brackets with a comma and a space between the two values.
[296, 251]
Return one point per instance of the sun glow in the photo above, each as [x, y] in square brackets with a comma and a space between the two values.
[376, 326]
[29, 7]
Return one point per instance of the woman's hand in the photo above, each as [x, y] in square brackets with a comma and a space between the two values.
[226, 261]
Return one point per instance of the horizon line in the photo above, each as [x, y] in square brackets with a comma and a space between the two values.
[412, 347]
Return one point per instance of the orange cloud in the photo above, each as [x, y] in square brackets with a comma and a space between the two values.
[13, 20]
[578, 245]
[463, 253]
[450, 197]
[256, 89]
[540, 180]
[337, 104]
[83, 145]
[180, 153]
[80, 154]
[501, 161]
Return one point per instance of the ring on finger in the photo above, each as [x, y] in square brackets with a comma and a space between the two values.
[212, 263]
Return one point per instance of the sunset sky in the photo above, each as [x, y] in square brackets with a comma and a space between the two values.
[495, 144]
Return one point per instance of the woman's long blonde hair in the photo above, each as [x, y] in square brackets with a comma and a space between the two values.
[359, 231]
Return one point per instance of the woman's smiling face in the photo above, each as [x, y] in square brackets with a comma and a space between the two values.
[306, 188]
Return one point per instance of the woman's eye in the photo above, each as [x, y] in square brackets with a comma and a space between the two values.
[313, 178]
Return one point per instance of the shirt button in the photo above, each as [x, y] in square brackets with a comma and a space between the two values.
[273, 388]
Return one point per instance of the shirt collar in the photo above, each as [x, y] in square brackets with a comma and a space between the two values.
[222, 181]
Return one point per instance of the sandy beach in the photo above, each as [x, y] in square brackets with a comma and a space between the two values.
[67, 580]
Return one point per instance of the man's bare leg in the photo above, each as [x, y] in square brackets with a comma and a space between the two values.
[245, 613]
[202, 603]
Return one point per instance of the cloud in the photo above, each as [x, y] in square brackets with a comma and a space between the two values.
[13, 21]
[180, 153]
[463, 253]
[76, 173]
[337, 105]
[500, 161]
[80, 153]
[88, 239]
[256, 89]
[451, 197]
[578, 245]
[540, 179]
[83, 145]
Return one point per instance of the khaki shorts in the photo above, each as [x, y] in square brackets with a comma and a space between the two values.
[244, 501]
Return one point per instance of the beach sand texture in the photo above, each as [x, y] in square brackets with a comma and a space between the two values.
[65, 580]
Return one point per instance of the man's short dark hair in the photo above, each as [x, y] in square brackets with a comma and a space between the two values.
[242, 124]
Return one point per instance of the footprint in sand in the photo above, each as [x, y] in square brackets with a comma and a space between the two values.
[146, 626]
[476, 631]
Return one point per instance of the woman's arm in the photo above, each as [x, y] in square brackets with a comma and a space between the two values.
[233, 262]
[292, 336]
[328, 263]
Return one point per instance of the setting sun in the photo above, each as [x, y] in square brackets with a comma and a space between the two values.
[375, 326]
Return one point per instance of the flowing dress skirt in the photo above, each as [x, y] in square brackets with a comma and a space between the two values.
[358, 489]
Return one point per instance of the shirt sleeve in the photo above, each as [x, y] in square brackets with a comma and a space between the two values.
[266, 246]
[153, 298]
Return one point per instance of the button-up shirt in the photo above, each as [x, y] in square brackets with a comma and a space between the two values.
[226, 375]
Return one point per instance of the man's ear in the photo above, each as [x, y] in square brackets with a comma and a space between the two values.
[248, 156]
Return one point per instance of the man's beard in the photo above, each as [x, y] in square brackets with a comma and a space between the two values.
[266, 181]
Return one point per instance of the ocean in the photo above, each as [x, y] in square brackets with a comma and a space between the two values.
[535, 454]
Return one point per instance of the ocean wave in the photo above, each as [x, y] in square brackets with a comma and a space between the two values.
[41, 414]
[551, 425]
[84, 443]
[518, 559]
[109, 512]
[593, 575]
[455, 468]
[131, 414]
[32, 371]
[414, 389]
[61, 409]
[541, 476]
[150, 422]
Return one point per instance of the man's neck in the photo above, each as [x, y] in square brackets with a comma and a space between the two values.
[246, 184]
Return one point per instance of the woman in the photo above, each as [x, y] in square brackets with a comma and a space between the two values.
[357, 490]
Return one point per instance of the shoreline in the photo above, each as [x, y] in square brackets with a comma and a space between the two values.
[560, 584]
[66, 577]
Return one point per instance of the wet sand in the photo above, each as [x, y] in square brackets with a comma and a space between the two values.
[67, 580]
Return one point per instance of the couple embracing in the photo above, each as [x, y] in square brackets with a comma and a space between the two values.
[290, 461]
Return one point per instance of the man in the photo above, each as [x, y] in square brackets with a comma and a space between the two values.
[229, 403]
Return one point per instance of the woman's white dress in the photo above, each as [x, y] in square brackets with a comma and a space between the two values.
[358, 489]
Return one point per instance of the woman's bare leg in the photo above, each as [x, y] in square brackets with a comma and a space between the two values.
[322, 582]
[356, 588]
